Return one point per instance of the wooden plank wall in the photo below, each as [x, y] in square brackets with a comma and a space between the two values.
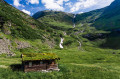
[40, 67]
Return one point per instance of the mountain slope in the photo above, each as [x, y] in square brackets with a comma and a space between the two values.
[24, 32]
[105, 19]
[89, 17]
[55, 19]
[21, 24]
[109, 19]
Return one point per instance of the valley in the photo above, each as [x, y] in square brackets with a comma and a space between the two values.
[87, 43]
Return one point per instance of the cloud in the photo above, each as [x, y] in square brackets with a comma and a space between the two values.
[82, 4]
[54, 4]
[69, 4]
[60, 2]
[27, 12]
[87, 5]
[17, 3]
[33, 1]
[101, 4]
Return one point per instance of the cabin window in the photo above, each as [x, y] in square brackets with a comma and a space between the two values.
[41, 62]
[30, 64]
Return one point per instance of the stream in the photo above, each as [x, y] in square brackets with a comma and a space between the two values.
[61, 42]
[62, 39]
[79, 44]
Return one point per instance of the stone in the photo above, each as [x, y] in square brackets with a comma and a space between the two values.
[5, 46]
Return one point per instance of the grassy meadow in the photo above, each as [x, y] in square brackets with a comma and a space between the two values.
[89, 63]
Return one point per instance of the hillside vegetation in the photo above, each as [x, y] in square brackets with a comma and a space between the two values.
[110, 18]
[55, 19]
[104, 19]
[20, 28]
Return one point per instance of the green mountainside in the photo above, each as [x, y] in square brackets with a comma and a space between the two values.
[56, 19]
[105, 19]
[89, 17]
[21, 25]
[21, 28]
[90, 23]
[110, 18]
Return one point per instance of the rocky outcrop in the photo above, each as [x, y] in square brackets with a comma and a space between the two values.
[5, 46]
[50, 43]
[22, 44]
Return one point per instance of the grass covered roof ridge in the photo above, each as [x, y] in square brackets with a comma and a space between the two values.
[39, 56]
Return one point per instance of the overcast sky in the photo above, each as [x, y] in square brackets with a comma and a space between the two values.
[73, 6]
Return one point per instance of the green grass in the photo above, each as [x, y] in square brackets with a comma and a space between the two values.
[74, 64]
[61, 24]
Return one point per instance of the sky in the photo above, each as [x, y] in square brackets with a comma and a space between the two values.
[30, 7]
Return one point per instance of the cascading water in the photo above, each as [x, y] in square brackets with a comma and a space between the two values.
[61, 42]
[79, 44]
[74, 21]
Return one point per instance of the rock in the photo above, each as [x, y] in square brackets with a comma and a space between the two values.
[22, 44]
[5, 46]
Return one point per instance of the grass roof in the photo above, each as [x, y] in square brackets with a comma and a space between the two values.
[39, 56]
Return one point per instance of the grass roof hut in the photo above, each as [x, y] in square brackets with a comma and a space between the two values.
[40, 62]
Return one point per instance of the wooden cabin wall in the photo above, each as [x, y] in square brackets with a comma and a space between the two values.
[36, 66]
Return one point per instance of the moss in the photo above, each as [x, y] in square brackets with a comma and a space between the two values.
[39, 56]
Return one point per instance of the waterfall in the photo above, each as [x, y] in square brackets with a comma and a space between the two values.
[61, 42]
[74, 21]
[79, 44]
